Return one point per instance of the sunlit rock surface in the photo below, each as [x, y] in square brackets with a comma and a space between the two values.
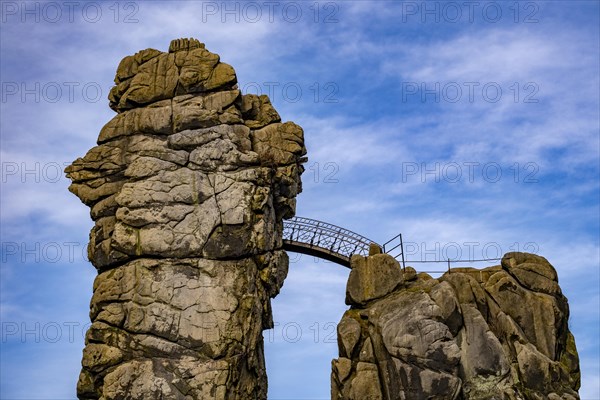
[187, 186]
[496, 333]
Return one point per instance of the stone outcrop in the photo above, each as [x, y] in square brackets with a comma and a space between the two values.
[187, 186]
[496, 333]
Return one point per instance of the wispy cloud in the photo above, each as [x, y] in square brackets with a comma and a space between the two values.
[359, 146]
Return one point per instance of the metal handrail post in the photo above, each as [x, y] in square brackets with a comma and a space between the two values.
[402, 252]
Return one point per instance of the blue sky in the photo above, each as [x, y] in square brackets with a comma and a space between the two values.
[470, 127]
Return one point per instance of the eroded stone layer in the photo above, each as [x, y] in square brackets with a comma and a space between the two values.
[188, 187]
[497, 333]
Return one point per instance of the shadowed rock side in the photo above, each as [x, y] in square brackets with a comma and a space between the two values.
[187, 186]
[496, 333]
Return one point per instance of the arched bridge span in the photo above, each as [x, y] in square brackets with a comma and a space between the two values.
[323, 240]
[336, 244]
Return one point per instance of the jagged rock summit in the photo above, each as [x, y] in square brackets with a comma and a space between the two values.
[187, 186]
[498, 333]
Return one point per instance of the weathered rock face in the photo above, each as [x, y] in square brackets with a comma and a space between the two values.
[187, 186]
[497, 333]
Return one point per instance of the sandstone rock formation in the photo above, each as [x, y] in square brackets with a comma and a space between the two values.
[496, 333]
[187, 186]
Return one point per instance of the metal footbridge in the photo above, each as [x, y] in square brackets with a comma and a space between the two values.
[336, 244]
[328, 241]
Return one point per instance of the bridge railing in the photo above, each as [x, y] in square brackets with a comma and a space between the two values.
[395, 245]
[326, 236]
[337, 244]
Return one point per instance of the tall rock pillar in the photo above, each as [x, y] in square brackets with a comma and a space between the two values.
[188, 187]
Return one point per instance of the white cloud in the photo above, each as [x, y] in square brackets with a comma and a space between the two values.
[367, 135]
